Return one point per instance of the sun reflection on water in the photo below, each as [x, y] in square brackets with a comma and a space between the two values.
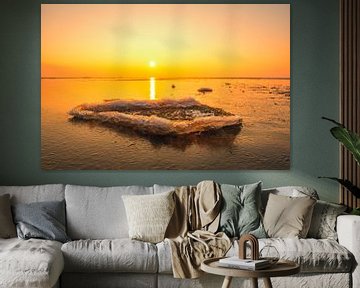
[152, 89]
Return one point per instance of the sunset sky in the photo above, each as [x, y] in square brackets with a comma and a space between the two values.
[165, 40]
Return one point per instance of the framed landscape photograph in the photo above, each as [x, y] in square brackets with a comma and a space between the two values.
[165, 86]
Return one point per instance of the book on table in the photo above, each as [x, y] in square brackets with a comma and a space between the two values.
[236, 262]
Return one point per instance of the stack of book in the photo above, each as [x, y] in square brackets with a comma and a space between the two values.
[248, 264]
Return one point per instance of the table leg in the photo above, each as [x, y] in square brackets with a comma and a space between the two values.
[267, 283]
[227, 282]
[254, 282]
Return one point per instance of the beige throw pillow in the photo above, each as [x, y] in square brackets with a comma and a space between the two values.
[288, 217]
[148, 215]
[7, 226]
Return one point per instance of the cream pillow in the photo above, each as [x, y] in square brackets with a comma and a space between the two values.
[288, 217]
[149, 215]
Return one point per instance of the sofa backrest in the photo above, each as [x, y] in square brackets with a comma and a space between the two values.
[163, 188]
[37, 193]
[293, 191]
[98, 213]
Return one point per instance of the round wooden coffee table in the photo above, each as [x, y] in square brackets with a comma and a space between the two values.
[281, 268]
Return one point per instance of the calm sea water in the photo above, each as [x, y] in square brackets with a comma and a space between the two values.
[262, 143]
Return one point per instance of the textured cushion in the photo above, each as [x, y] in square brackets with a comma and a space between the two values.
[118, 255]
[291, 191]
[98, 213]
[149, 215]
[287, 216]
[240, 210]
[7, 227]
[38, 193]
[44, 220]
[323, 222]
[30, 263]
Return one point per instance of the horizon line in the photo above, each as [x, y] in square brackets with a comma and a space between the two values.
[159, 78]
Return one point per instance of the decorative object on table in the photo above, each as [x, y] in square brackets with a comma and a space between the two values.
[270, 253]
[141, 91]
[248, 264]
[241, 261]
[351, 142]
[254, 246]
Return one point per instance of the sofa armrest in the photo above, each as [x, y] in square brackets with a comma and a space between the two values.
[348, 230]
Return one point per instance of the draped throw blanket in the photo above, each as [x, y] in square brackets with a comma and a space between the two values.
[191, 231]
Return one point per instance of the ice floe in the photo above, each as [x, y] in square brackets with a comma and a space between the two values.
[161, 117]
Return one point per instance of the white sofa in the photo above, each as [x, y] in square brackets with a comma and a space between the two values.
[101, 255]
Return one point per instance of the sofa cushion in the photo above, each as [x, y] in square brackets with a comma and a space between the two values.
[30, 263]
[313, 255]
[98, 213]
[164, 257]
[42, 220]
[287, 216]
[240, 210]
[323, 222]
[291, 191]
[149, 215]
[117, 255]
[37, 193]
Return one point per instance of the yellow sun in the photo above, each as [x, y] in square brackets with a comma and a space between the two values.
[152, 64]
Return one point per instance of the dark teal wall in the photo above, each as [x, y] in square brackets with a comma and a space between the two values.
[314, 93]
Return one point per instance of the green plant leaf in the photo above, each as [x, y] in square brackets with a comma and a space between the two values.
[355, 211]
[347, 184]
[348, 138]
[333, 121]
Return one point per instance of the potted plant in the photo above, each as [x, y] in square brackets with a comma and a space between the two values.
[351, 141]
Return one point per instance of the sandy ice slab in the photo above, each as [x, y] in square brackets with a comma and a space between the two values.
[161, 117]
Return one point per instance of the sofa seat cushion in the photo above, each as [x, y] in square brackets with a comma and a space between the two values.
[30, 263]
[313, 255]
[115, 255]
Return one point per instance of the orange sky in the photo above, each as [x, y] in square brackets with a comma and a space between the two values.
[181, 40]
